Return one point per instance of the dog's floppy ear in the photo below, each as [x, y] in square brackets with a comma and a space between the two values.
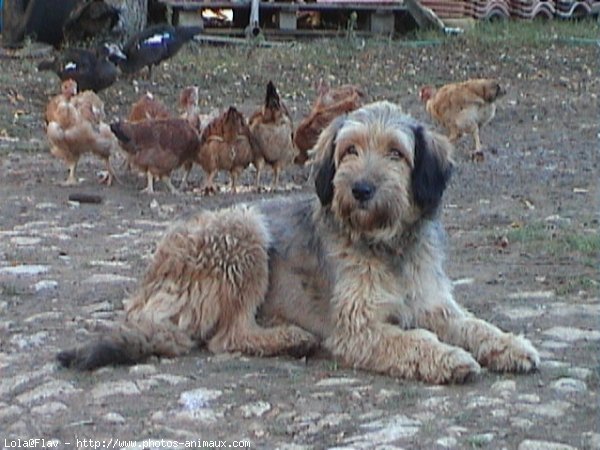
[432, 169]
[323, 151]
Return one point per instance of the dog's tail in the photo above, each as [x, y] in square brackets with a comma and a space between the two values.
[132, 342]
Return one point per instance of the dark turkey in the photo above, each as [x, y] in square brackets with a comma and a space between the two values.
[153, 45]
[91, 69]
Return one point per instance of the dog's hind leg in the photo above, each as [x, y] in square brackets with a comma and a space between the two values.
[205, 273]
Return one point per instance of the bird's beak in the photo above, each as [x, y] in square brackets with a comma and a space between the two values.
[115, 51]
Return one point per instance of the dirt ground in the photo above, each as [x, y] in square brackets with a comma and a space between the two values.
[522, 248]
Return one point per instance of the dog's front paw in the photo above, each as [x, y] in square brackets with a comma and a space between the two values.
[453, 366]
[462, 366]
[512, 354]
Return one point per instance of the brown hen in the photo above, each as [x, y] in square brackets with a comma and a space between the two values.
[329, 104]
[226, 144]
[463, 107]
[75, 126]
[157, 147]
[148, 107]
[145, 108]
[273, 130]
[188, 104]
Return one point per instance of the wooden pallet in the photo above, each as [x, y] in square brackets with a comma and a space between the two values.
[375, 16]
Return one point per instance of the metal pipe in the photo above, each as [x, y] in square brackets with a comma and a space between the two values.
[253, 28]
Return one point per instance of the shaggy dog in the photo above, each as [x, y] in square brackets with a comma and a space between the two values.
[357, 270]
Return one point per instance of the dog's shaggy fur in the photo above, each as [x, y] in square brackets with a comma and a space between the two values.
[357, 270]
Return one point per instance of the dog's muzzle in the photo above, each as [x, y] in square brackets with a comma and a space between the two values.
[363, 191]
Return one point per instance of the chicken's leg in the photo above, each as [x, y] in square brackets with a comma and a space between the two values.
[71, 179]
[110, 174]
[149, 189]
[208, 186]
[187, 167]
[476, 139]
[259, 165]
[477, 155]
[276, 169]
[234, 176]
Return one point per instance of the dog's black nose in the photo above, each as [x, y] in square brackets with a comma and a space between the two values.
[363, 191]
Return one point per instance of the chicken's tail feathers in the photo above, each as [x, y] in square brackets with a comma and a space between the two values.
[272, 97]
[130, 343]
[119, 132]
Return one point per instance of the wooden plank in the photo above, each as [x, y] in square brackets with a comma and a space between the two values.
[274, 33]
[218, 39]
[189, 17]
[425, 17]
[362, 2]
[206, 4]
[381, 22]
[334, 6]
[288, 20]
[290, 6]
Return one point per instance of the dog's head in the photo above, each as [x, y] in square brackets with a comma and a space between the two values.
[379, 170]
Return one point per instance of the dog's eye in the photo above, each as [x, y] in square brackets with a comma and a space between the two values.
[396, 154]
[351, 150]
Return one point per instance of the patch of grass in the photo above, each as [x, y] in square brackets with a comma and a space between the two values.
[529, 233]
[477, 441]
[428, 428]
[560, 372]
[565, 242]
[295, 376]
[84, 379]
[522, 33]
[587, 244]
[10, 290]
[406, 396]
[593, 380]
[465, 417]
[575, 284]
[410, 393]
[427, 36]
